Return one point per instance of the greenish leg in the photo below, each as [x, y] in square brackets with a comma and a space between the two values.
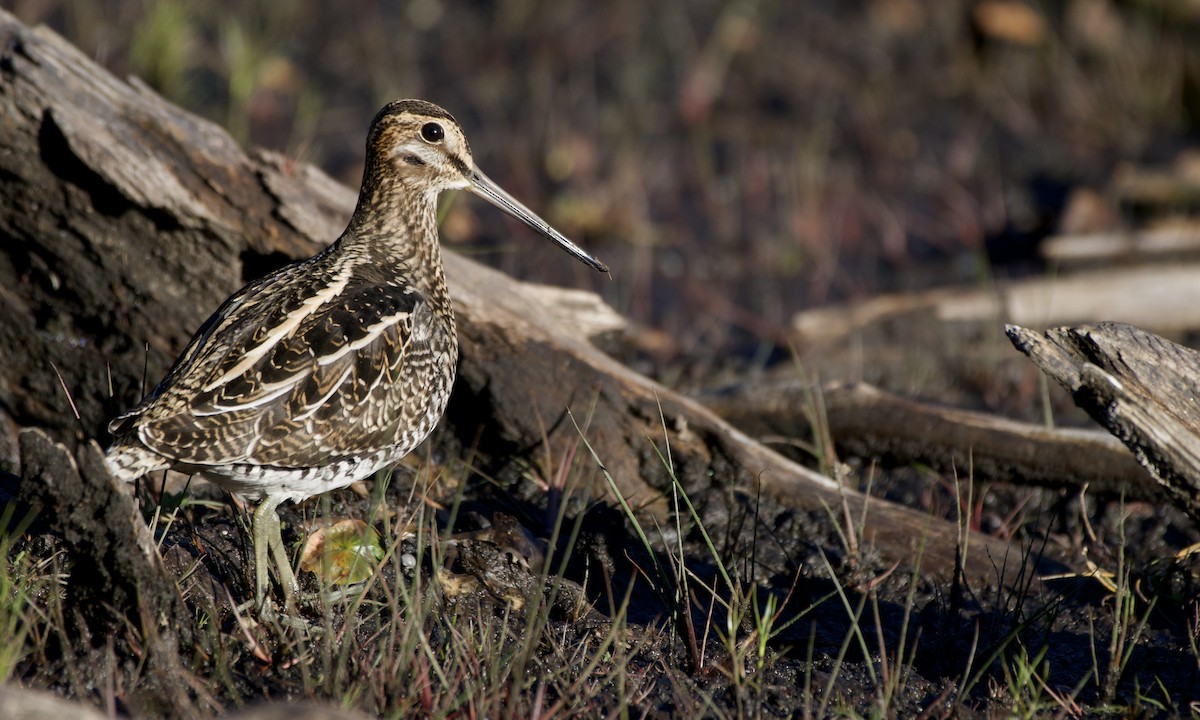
[267, 535]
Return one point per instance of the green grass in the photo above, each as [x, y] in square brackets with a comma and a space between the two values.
[412, 641]
[23, 577]
[421, 645]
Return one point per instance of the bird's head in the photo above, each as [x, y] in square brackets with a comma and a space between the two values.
[422, 144]
[424, 147]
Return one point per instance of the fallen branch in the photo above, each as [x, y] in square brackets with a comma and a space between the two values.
[1144, 389]
[866, 422]
[1166, 298]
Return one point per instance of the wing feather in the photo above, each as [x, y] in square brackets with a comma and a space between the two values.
[286, 381]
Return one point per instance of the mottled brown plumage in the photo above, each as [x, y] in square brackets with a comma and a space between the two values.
[331, 368]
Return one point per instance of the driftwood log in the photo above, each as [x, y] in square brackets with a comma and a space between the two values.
[1178, 238]
[117, 576]
[1144, 389]
[1163, 297]
[866, 422]
[126, 221]
[18, 703]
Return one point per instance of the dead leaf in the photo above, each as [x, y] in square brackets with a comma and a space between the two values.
[343, 553]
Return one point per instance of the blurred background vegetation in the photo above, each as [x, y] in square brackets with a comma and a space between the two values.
[734, 162]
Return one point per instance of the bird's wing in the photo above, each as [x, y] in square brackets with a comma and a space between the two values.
[298, 379]
[234, 321]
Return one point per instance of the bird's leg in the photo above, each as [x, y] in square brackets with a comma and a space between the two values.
[283, 564]
[264, 519]
[267, 535]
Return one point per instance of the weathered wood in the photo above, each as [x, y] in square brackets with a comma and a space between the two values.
[117, 578]
[867, 422]
[1172, 187]
[18, 703]
[1178, 237]
[127, 221]
[1166, 298]
[1144, 389]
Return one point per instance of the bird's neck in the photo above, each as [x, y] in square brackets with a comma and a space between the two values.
[395, 226]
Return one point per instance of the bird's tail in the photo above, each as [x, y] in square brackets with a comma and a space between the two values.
[130, 462]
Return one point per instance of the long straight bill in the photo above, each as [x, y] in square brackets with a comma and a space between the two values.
[483, 186]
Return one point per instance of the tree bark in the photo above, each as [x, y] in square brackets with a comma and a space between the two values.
[117, 578]
[863, 421]
[1144, 389]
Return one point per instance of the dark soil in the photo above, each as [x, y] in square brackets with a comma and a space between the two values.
[1061, 627]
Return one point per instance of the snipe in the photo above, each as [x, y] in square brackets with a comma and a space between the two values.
[331, 368]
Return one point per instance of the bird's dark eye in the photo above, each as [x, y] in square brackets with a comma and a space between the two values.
[432, 133]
